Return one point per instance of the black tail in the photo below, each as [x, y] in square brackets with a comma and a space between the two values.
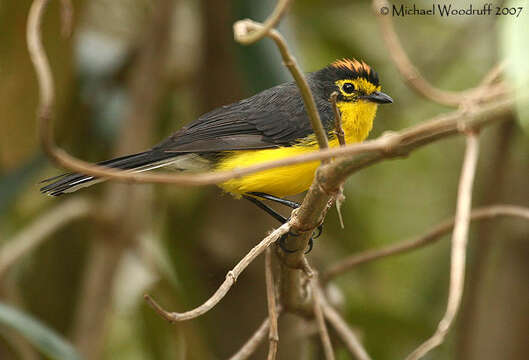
[71, 182]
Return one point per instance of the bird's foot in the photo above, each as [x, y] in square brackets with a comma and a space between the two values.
[283, 239]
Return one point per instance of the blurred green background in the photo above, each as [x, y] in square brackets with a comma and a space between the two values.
[133, 72]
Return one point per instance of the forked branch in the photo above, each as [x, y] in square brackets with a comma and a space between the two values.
[230, 280]
[430, 237]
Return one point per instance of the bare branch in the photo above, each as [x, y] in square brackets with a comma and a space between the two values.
[273, 335]
[38, 56]
[223, 289]
[242, 28]
[433, 235]
[459, 245]
[340, 197]
[270, 23]
[385, 147]
[33, 235]
[411, 74]
[342, 329]
[418, 135]
[337, 119]
[318, 312]
[493, 74]
[254, 341]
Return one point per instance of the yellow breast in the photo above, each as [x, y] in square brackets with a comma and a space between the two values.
[357, 121]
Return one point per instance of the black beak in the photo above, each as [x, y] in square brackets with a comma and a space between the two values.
[378, 97]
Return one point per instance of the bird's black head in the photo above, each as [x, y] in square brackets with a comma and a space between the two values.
[353, 80]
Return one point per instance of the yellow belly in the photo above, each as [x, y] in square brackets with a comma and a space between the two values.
[293, 179]
[282, 181]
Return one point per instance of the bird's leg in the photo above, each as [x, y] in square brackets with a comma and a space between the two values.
[266, 208]
[276, 216]
[286, 202]
[279, 217]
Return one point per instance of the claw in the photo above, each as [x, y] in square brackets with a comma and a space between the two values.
[281, 244]
[319, 231]
[311, 244]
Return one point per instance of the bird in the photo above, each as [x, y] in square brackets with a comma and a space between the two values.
[270, 125]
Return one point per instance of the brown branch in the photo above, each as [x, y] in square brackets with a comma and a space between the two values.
[421, 134]
[254, 341]
[38, 56]
[340, 197]
[320, 195]
[273, 335]
[270, 23]
[317, 298]
[418, 135]
[223, 289]
[242, 28]
[40, 230]
[411, 74]
[337, 119]
[433, 235]
[65, 160]
[342, 329]
[459, 248]
[492, 187]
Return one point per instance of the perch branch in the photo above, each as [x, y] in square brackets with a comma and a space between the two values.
[418, 135]
[459, 244]
[223, 289]
[484, 213]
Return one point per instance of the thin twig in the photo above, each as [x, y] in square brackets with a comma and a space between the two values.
[411, 74]
[417, 136]
[337, 120]
[38, 56]
[34, 234]
[459, 245]
[223, 289]
[254, 341]
[273, 335]
[242, 28]
[318, 312]
[268, 24]
[340, 197]
[383, 148]
[493, 74]
[342, 329]
[433, 235]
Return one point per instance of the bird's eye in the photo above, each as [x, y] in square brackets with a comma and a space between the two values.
[348, 88]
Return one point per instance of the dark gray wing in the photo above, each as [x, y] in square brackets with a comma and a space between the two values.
[274, 117]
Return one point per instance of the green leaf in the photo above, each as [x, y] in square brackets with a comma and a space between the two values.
[514, 30]
[42, 337]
